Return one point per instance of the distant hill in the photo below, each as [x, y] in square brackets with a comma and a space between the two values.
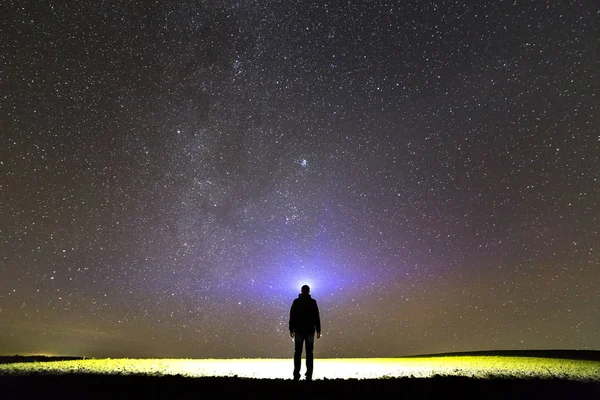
[17, 359]
[591, 355]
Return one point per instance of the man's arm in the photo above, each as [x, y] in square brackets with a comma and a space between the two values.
[317, 320]
[292, 323]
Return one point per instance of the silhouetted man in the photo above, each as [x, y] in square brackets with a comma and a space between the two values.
[304, 320]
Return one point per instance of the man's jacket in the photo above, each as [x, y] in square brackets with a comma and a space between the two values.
[304, 316]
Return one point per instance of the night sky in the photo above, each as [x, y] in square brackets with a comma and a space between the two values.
[172, 173]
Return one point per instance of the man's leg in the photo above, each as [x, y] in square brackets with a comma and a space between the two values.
[298, 343]
[310, 345]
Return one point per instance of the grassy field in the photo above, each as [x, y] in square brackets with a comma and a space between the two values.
[491, 367]
[466, 376]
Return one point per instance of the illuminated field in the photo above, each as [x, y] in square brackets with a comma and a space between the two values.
[469, 366]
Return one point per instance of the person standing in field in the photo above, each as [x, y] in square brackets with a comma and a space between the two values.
[304, 321]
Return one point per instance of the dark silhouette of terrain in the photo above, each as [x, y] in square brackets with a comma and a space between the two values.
[591, 355]
[169, 387]
[20, 359]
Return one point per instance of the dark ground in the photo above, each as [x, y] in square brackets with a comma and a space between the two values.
[121, 387]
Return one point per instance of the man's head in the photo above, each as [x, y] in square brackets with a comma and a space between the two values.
[305, 289]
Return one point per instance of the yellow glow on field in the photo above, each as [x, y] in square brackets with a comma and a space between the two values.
[339, 368]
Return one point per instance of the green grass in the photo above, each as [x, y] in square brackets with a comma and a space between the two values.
[344, 368]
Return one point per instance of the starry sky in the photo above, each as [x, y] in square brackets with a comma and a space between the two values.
[173, 171]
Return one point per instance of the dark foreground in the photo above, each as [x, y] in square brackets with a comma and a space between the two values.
[148, 387]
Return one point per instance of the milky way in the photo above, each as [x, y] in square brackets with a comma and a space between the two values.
[173, 173]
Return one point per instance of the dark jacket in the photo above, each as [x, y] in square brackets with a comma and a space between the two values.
[304, 315]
